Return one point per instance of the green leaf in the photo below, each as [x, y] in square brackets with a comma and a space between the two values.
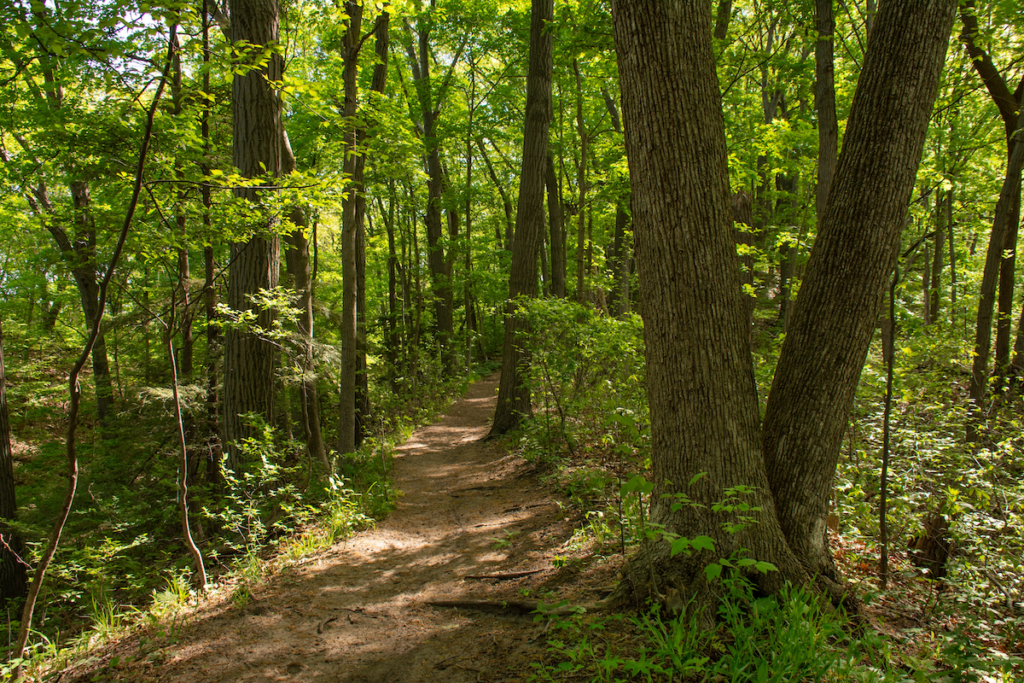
[680, 545]
[713, 571]
[703, 543]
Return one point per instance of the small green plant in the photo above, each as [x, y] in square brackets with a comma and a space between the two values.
[505, 541]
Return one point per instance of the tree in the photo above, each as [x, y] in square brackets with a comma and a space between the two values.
[513, 394]
[849, 266]
[430, 109]
[704, 411]
[13, 577]
[256, 144]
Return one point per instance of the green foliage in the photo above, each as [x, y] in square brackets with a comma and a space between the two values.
[587, 376]
[792, 636]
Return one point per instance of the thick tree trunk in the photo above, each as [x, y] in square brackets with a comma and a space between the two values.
[256, 148]
[13, 574]
[703, 401]
[850, 263]
[513, 393]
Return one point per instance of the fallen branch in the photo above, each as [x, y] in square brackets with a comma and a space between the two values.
[504, 576]
[514, 607]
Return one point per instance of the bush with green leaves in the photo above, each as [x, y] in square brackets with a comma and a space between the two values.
[587, 376]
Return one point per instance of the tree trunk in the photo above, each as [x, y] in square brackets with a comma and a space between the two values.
[986, 301]
[939, 242]
[856, 249]
[825, 103]
[618, 300]
[89, 291]
[296, 258]
[349, 232]
[256, 149]
[582, 296]
[439, 271]
[513, 393]
[506, 203]
[701, 391]
[556, 222]
[13, 574]
[214, 339]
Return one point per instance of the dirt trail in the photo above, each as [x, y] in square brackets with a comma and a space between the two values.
[358, 611]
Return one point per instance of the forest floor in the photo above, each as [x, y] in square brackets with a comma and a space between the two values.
[360, 611]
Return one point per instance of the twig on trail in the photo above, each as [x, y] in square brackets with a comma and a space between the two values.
[496, 606]
[320, 628]
[504, 576]
[512, 607]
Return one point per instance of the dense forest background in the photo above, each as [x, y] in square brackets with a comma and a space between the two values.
[280, 250]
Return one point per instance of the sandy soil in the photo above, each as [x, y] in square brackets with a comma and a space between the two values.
[360, 612]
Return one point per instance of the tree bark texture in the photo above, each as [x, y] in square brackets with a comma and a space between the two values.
[13, 574]
[513, 393]
[256, 150]
[701, 391]
[349, 231]
[849, 265]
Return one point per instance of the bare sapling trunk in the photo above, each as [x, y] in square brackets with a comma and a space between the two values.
[75, 391]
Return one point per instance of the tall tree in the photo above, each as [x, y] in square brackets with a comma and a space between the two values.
[351, 45]
[430, 111]
[256, 148]
[297, 262]
[703, 401]
[850, 263]
[513, 393]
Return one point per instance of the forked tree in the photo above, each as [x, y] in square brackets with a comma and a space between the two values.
[707, 440]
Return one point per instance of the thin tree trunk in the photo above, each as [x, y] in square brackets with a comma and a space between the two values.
[986, 301]
[618, 299]
[556, 222]
[506, 203]
[939, 242]
[214, 340]
[582, 295]
[297, 262]
[513, 392]
[13, 574]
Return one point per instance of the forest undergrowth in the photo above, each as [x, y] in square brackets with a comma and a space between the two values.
[123, 565]
[950, 607]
